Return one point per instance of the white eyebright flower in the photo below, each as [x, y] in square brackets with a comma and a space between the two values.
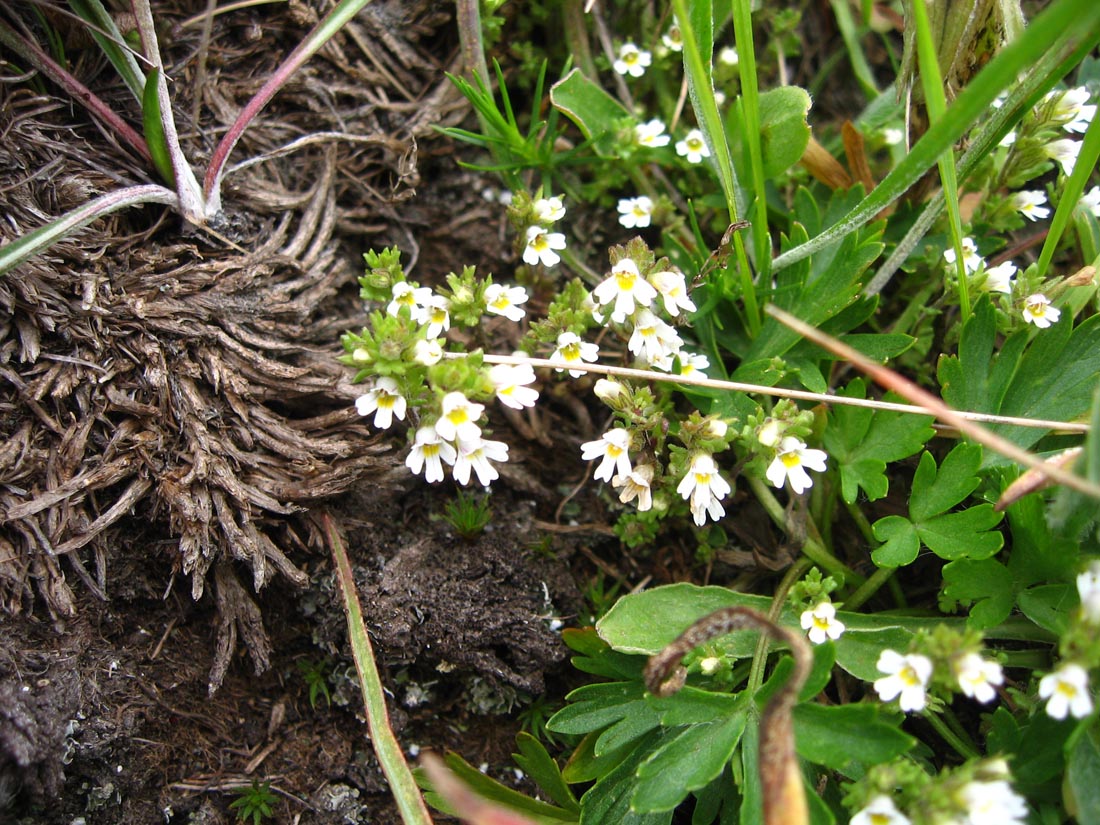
[623, 287]
[992, 803]
[1029, 203]
[727, 56]
[791, 463]
[428, 453]
[693, 147]
[505, 300]
[572, 348]
[673, 38]
[651, 134]
[636, 485]
[1037, 310]
[1091, 201]
[704, 488]
[632, 60]
[1065, 152]
[1088, 587]
[692, 363]
[653, 340]
[459, 419]
[880, 811]
[978, 677]
[548, 210]
[404, 294]
[475, 455]
[384, 401]
[768, 433]
[541, 245]
[821, 623]
[428, 352]
[510, 382]
[673, 288]
[613, 450]
[892, 136]
[999, 278]
[1073, 107]
[635, 213]
[971, 259]
[1067, 692]
[906, 678]
[437, 315]
[608, 390]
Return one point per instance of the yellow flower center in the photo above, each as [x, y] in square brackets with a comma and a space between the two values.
[624, 279]
[1038, 309]
[430, 450]
[458, 416]
[1067, 690]
[539, 243]
[630, 57]
[702, 479]
[614, 451]
[439, 315]
[880, 819]
[500, 302]
[694, 144]
[821, 622]
[571, 352]
[909, 676]
[386, 401]
[790, 460]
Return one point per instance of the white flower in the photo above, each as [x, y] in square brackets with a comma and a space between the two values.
[653, 339]
[999, 278]
[636, 485]
[709, 665]
[1008, 139]
[613, 448]
[906, 677]
[1065, 152]
[428, 352]
[691, 363]
[693, 147]
[572, 349]
[821, 623]
[728, 56]
[548, 210]
[673, 289]
[992, 803]
[474, 455]
[404, 294]
[634, 213]
[892, 137]
[1037, 310]
[673, 38]
[384, 401]
[459, 419]
[505, 300]
[1088, 587]
[768, 433]
[428, 453]
[651, 133]
[437, 315]
[1073, 108]
[1029, 203]
[1067, 691]
[880, 811]
[541, 245]
[624, 286]
[971, 259]
[608, 390]
[510, 382]
[791, 463]
[977, 676]
[717, 428]
[1091, 201]
[632, 60]
[704, 486]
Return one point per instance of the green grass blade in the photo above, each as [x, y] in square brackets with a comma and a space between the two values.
[41, 239]
[102, 28]
[842, 11]
[1069, 20]
[154, 130]
[1071, 193]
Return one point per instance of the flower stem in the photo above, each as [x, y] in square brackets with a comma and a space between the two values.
[869, 588]
[964, 749]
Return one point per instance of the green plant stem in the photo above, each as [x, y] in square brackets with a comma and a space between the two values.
[861, 521]
[868, 588]
[962, 748]
[468, 13]
[390, 757]
[1072, 189]
[779, 598]
[750, 112]
[811, 547]
[576, 36]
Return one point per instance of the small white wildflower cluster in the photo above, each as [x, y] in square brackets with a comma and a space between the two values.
[632, 61]
[403, 350]
[976, 793]
[1036, 308]
[541, 245]
[791, 458]
[1072, 111]
[949, 658]
[1066, 689]
[818, 612]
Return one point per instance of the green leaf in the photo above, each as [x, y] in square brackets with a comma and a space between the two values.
[1049, 606]
[609, 799]
[951, 536]
[848, 738]
[863, 441]
[693, 706]
[596, 113]
[594, 707]
[784, 132]
[153, 125]
[986, 585]
[689, 761]
[537, 763]
[1082, 771]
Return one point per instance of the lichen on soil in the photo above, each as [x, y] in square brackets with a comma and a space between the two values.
[172, 421]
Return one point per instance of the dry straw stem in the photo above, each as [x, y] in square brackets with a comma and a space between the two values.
[798, 395]
[930, 404]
